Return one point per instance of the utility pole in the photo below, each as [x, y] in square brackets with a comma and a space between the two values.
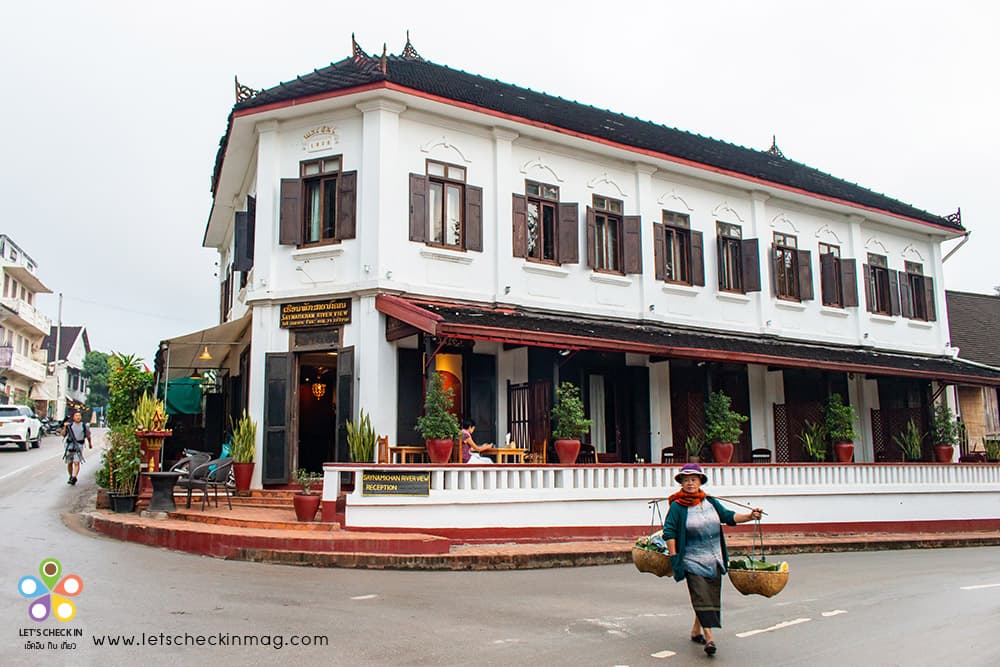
[56, 355]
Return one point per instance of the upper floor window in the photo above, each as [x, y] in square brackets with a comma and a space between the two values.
[545, 229]
[738, 258]
[444, 209]
[916, 293]
[786, 266]
[319, 206]
[881, 286]
[830, 275]
[6, 284]
[607, 234]
[677, 250]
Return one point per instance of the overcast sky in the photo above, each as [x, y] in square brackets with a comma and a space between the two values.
[112, 113]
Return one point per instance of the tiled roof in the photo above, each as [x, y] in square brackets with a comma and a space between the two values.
[974, 320]
[459, 86]
[66, 341]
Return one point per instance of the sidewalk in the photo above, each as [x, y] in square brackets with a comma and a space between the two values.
[272, 535]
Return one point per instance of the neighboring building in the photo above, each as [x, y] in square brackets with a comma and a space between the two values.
[66, 387]
[974, 320]
[384, 216]
[22, 325]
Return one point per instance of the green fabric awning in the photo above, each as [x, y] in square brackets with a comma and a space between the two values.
[184, 397]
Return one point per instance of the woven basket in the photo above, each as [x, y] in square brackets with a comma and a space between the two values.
[653, 562]
[758, 582]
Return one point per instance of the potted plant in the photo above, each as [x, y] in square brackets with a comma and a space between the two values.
[909, 441]
[838, 422]
[124, 460]
[693, 446]
[361, 439]
[306, 503]
[944, 432]
[244, 446]
[568, 422]
[992, 450]
[438, 426]
[813, 440]
[149, 417]
[723, 426]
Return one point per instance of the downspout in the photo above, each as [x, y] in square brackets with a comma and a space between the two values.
[955, 249]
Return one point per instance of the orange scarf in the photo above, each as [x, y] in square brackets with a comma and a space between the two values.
[686, 498]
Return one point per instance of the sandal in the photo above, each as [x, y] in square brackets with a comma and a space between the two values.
[710, 648]
[698, 639]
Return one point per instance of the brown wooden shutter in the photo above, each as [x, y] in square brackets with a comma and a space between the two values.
[774, 270]
[632, 244]
[252, 227]
[473, 218]
[290, 219]
[750, 250]
[345, 401]
[591, 238]
[519, 225]
[929, 298]
[697, 258]
[869, 297]
[659, 251]
[894, 292]
[905, 296]
[242, 256]
[418, 208]
[849, 283]
[569, 233]
[827, 279]
[805, 275]
[347, 205]
[278, 369]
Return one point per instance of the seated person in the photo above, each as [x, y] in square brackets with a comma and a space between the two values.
[470, 450]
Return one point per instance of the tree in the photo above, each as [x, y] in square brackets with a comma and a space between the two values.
[127, 382]
[95, 369]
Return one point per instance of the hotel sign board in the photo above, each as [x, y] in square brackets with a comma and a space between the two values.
[312, 314]
[392, 483]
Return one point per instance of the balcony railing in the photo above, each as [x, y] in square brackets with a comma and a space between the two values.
[15, 362]
[28, 315]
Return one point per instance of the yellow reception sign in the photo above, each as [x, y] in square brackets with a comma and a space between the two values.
[315, 314]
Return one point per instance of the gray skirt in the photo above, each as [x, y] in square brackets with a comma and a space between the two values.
[706, 598]
[73, 456]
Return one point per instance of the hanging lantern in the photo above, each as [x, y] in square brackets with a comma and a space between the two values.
[318, 389]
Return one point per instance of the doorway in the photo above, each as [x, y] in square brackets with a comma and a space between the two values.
[317, 410]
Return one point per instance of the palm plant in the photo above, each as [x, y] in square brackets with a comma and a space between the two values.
[813, 438]
[361, 439]
[909, 441]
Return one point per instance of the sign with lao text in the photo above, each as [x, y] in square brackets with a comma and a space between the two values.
[315, 314]
[392, 483]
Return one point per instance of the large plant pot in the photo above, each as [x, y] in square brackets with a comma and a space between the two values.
[243, 472]
[122, 504]
[944, 453]
[567, 451]
[844, 451]
[439, 450]
[722, 452]
[306, 506]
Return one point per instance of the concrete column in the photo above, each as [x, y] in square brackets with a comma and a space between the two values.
[936, 271]
[379, 141]
[503, 186]
[645, 206]
[375, 368]
[265, 336]
[761, 419]
[856, 249]
[268, 201]
[759, 229]
[660, 420]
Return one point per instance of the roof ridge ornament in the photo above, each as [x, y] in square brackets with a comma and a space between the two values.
[774, 150]
[357, 53]
[955, 217]
[243, 93]
[410, 53]
[382, 61]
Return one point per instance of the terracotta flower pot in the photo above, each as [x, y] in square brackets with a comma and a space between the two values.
[243, 473]
[844, 451]
[944, 453]
[722, 452]
[439, 450]
[306, 506]
[567, 450]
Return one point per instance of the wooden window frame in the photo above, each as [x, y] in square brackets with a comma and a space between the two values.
[603, 209]
[677, 244]
[914, 273]
[542, 202]
[879, 286]
[322, 178]
[786, 286]
[444, 182]
[837, 287]
[730, 246]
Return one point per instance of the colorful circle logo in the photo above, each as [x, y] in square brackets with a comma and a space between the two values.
[50, 592]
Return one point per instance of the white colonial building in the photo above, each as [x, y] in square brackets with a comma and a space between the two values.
[385, 216]
[22, 325]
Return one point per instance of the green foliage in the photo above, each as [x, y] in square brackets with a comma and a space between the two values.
[437, 421]
[909, 441]
[149, 414]
[813, 438]
[838, 421]
[361, 439]
[722, 423]
[992, 450]
[693, 445]
[127, 382]
[567, 413]
[306, 479]
[96, 370]
[944, 428]
[244, 439]
[123, 459]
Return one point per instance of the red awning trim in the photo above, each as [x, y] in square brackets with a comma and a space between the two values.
[408, 312]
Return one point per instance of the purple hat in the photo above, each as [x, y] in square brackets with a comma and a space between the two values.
[691, 469]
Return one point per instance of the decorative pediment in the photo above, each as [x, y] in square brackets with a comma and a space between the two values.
[604, 178]
[783, 222]
[875, 245]
[447, 145]
[539, 164]
[909, 252]
[725, 213]
[827, 235]
[672, 200]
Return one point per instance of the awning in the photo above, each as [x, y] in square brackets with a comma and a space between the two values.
[26, 278]
[45, 391]
[521, 326]
[180, 356]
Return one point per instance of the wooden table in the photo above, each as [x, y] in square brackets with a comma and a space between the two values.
[407, 454]
[505, 454]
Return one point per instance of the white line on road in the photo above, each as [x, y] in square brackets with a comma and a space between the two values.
[835, 612]
[783, 624]
[964, 588]
[662, 654]
[11, 474]
[364, 597]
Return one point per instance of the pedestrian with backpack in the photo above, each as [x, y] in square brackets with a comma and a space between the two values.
[75, 433]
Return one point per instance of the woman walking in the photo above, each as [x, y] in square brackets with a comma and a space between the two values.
[697, 548]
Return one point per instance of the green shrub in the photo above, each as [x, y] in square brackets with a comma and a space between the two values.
[838, 421]
[722, 423]
[567, 413]
[361, 439]
[244, 439]
[909, 441]
[944, 428]
[437, 420]
[813, 439]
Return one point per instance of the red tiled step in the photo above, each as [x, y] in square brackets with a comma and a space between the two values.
[265, 518]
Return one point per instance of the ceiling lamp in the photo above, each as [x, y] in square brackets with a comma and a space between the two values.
[205, 355]
[318, 389]
[195, 376]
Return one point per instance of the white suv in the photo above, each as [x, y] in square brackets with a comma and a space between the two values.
[18, 425]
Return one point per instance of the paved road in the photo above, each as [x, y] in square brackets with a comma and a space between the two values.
[890, 608]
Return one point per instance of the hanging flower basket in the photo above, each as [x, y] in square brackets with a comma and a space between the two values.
[647, 556]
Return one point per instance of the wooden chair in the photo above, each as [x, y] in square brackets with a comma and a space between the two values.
[587, 454]
[537, 453]
[382, 449]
